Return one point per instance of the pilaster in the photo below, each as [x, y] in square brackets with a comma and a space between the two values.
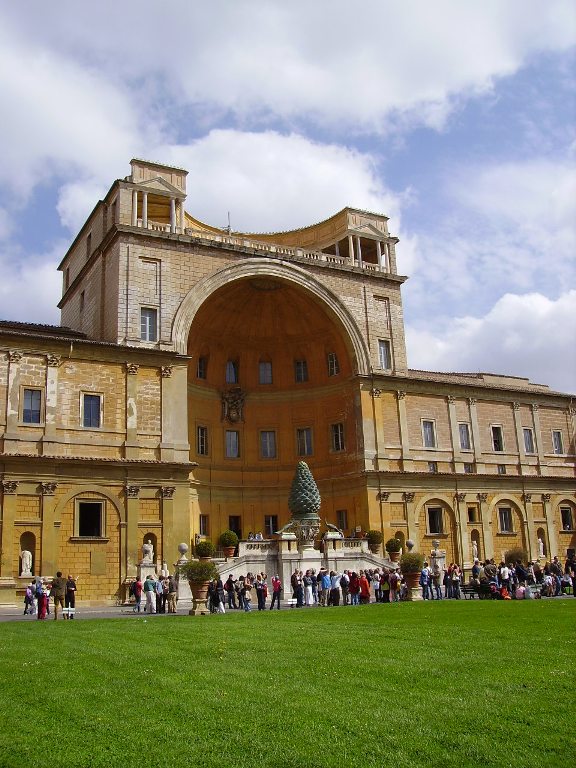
[462, 528]
[131, 445]
[476, 435]
[404, 439]
[454, 434]
[132, 546]
[486, 527]
[529, 528]
[410, 512]
[174, 445]
[550, 527]
[9, 503]
[50, 530]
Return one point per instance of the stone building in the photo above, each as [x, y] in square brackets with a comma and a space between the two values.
[193, 369]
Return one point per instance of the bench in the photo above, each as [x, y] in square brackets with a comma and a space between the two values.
[481, 591]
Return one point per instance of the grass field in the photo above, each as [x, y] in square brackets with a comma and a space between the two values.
[446, 684]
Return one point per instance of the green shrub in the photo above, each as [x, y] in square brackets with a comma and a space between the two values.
[228, 539]
[204, 549]
[393, 545]
[374, 539]
[197, 571]
[411, 562]
[516, 553]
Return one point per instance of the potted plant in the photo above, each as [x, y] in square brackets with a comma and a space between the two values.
[393, 547]
[374, 539]
[204, 549]
[228, 541]
[411, 564]
[199, 574]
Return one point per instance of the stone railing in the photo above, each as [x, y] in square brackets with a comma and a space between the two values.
[251, 547]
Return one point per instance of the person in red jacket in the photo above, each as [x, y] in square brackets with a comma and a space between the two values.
[364, 589]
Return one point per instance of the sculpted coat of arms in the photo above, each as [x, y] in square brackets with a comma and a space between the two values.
[233, 405]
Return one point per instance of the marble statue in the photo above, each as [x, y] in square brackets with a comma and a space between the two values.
[148, 552]
[474, 550]
[540, 547]
[26, 557]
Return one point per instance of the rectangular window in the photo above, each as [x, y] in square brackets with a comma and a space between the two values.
[90, 519]
[433, 467]
[468, 468]
[566, 516]
[91, 411]
[435, 520]
[204, 525]
[232, 372]
[528, 440]
[464, 430]
[268, 444]
[337, 433]
[333, 364]
[497, 438]
[202, 441]
[264, 372]
[384, 356]
[428, 434]
[304, 441]
[342, 519]
[501, 469]
[505, 518]
[148, 324]
[300, 371]
[557, 442]
[270, 525]
[202, 368]
[232, 444]
[471, 514]
[32, 406]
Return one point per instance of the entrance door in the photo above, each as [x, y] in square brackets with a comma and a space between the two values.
[235, 524]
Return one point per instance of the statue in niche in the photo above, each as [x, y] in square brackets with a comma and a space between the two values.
[26, 557]
[474, 550]
[148, 552]
[540, 547]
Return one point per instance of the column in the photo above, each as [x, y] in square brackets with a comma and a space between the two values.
[403, 421]
[172, 215]
[457, 459]
[475, 434]
[392, 255]
[135, 208]
[486, 530]
[462, 533]
[170, 536]
[409, 511]
[359, 250]
[131, 448]
[145, 210]
[379, 254]
[174, 445]
[337, 248]
[529, 528]
[550, 528]
[9, 503]
[351, 250]
[538, 439]
[181, 215]
[130, 554]
[519, 437]
[50, 529]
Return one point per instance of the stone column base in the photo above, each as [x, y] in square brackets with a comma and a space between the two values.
[7, 591]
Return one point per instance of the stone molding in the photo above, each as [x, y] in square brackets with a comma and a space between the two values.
[10, 487]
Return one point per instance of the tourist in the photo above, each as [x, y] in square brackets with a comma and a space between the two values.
[425, 582]
[70, 597]
[172, 594]
[137, 593]
[259, 536]
[394, 580]
[307, 583]
[247, 594]
[260, 592]
[230, 592]
[239, 589]
[42, 597]
[325, 587]
[377, 585]
[437, 582]
[456, 577]
[58, 592]
[504, 575]
[314, 586]
[345, 587]
[354, 588]
[150, 594]
[364, 588]
[250, 536]
[385, 586]
[28, 600]
[335, 588]
[276, 592]
[297, 588]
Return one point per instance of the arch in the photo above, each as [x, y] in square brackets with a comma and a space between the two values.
[28, 542]
[401, 536]
[120, 508]
[542, 547]
[506, 498]
[475, 539]
[265, 267]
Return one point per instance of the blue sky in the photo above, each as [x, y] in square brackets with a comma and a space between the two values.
[456, 119]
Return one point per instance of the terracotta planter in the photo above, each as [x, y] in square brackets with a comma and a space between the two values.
[228, 551]
[199, 591]
[412, 580]
[394, 556]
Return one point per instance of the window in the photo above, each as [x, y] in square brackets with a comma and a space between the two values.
[304, 441]
[202, 441]
[204, 525]
[501, 469]
[428, 434]
[468, 468]
[557, 442]
[333, 364]
[268, 445]
[32, 406]
[270, 525]
[202, 368]
[91, 411]
[264, 372]
[497, 439]
[235, 524]
[471, 514]
[337, 432]
[435, 520]
[90, 519]
[148, 324]
[505, 518]
[384, 356]
[232, 372]
[300, 371]
[464, 431]
[232, 444]
[528, 440]
[342, 519]
[566, 516]
[433, 467]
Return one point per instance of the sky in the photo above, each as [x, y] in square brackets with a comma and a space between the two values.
[455, 119]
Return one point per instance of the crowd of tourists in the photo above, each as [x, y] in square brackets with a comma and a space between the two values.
[160, 594]
[62, 591]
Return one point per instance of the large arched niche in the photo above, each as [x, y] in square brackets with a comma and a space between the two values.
[285, 282]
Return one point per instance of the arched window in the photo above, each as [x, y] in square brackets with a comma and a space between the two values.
[232, 372]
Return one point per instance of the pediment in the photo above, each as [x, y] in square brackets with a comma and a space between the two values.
[158, 184]
[368, 229]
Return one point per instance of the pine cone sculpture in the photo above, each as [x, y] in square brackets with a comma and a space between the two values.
[304, 499]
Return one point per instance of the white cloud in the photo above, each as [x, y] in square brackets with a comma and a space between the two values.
[523, 335]
[30, 290]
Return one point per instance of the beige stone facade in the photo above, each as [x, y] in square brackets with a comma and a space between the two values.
[194, 367]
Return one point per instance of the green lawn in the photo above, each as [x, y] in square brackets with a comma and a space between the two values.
[469, 683]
